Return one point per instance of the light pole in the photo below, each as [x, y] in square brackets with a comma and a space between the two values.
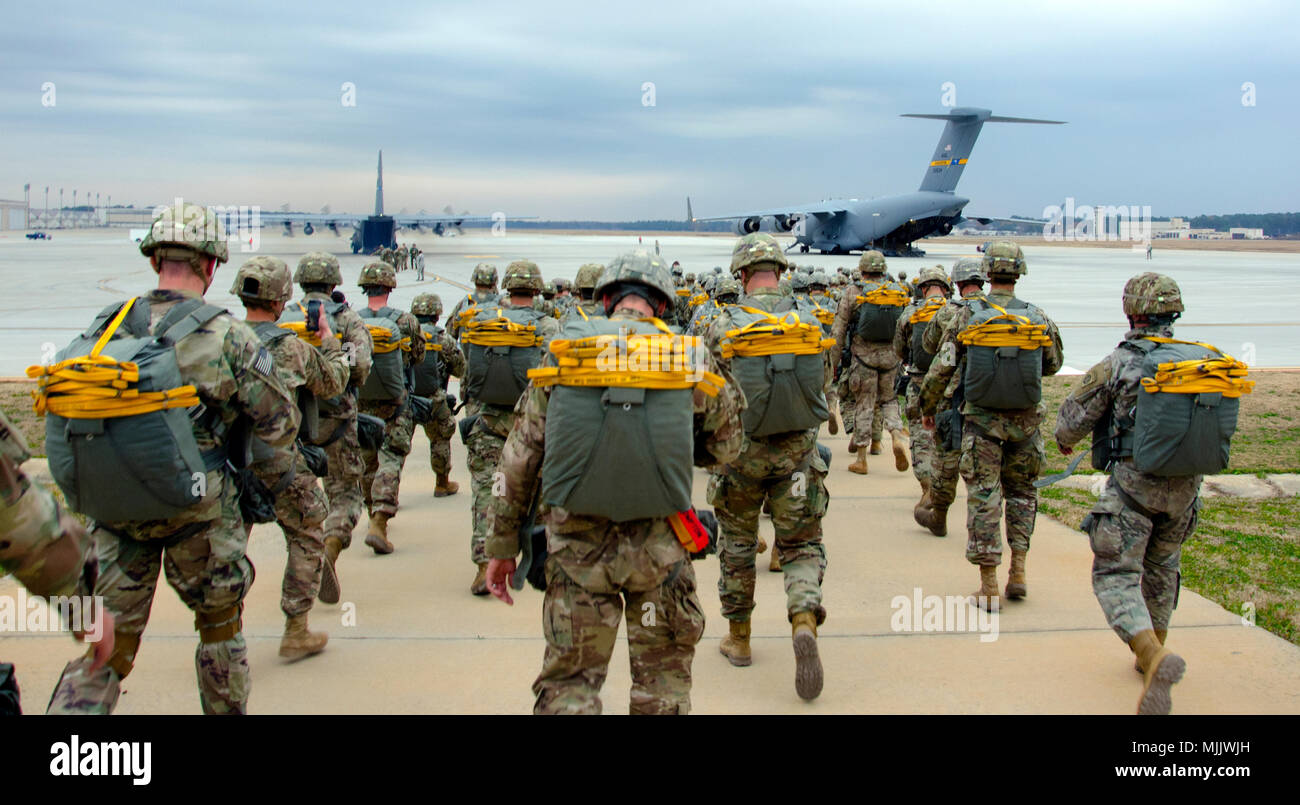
[45, 219]
[60, 208]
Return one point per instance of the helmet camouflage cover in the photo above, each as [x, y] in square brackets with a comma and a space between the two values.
[318, 268]
[1004, 257]
[1152, 293]
[968, 269]
[871, 262]
[264, 278]
[642, 268]
[522, 275]
[189, 225]
[934, 274]
[588, 276]
[427, 304]
[728, 286]
[485, 274]
[799, 281]
[757, 247]
[819, 277]
[377, 272]
[548, 289]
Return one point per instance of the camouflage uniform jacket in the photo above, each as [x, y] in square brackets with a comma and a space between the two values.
[354, 337]
[949, 363]
[571, 536]
[906, 331]
[1113, 386]
[590, 307]
[876, 354]
[476, 298]
[500, 419]
[43, 545]
[325, 374]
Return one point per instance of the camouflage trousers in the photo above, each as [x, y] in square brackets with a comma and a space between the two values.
[440, 431]
[873, 389]
[483, 448]
[999, 475]
[1136, 559]
[943, 469]
[581, 626]
[343, 484]
[798, 503]
[300, 510]
[922, 440]
[210, 572]
[847, 402]
[383, 467]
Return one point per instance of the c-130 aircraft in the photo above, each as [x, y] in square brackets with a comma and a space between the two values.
[891, 223]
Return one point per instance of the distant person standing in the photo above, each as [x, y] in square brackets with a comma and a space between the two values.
[1148, 250]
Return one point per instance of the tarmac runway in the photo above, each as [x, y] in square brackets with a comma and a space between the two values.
[1244, 302]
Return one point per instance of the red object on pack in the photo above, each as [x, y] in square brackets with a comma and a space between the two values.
[690, 532]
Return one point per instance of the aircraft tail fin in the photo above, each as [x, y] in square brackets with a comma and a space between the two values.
[690, 217]
[956, 142]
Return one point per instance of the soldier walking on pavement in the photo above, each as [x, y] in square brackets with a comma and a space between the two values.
[442, 360]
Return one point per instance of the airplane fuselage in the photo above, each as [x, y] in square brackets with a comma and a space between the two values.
[889, 223]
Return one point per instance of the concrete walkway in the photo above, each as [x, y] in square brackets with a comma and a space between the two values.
[1280, 485]
[418, 642]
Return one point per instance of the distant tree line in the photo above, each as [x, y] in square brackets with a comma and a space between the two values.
[1274, 224]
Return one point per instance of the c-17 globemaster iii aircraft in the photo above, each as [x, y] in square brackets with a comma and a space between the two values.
[891, 223]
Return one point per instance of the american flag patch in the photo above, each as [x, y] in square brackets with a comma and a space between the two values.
[263, 363]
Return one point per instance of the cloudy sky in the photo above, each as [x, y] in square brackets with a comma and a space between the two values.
[539, 108]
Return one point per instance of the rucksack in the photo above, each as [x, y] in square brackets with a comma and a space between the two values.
[430, 376]
[501, 346]
[1004, 354]
[1186, 410]
[878, 311]
[919, 320]
[294, 319]
[777, 361]
[118, 434]
[620, 419]
[387, 379]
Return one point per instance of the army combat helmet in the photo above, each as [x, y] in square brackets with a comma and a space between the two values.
[318, 268]
[522, 276]
[871, 263]
[263, 279]
[1152, 294]
[484, 275]
[934, 275]
[377, 273]
[427, 304]
[1004, 258]
[968, 269]
[187, 233]
[588, 276]
[641, 274]
[757, 251]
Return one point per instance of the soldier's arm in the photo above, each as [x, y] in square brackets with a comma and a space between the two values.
[840, 328]
[326, 370]
[718, 429]
[411, 328]
[943, 366]
[901, 332]
[547, 329]
[356, 334]
[934, 329]
[1053, 358]
[452, 357]
[260, 395]
[42, 544]
[520, 465]
[1085, 406]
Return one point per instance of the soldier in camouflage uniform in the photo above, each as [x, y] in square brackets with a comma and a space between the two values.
[1001, 450]
[585, 282]
[264, 286]
[492, 423]
[202, 551]
[443, 357]
[599, 568]
[907, 345]
[783, 469]
[968, 277]
[484, 279]
[43, 545]
[544, 303]
[383, 467]
[318, 274]
[1139, 524]
[873, 373]
[563, 297]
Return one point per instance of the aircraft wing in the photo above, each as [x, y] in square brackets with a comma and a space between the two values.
[315, 218]
[824, 208]
[988, 219]
[454, 220]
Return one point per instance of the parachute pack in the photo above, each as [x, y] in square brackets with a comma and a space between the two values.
[387, 379]
[878, 311]
[777, 360]
[1186, 409]
[501, 346]
[120, 441]
[620, 420]
[294, 319]
[1004, 357]
[430, 374]
[919, 321]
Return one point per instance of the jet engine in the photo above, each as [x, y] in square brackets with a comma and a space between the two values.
[307, 228]
[746, 226]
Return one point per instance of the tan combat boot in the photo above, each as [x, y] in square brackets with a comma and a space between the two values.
[899, 443]
[444, 487]
[774, 566]
[735, 646]
[298, 642]
[377, 536]
[762, 543]
[833, 424]
[1163, 669]
[860, 466]
[807, 663]
[986, 597]
[479, 585]
[875, 447]
[1016, 588]
[934, 518]
[1161, 634]
[853, 451]
[329, 578]
[922, 504]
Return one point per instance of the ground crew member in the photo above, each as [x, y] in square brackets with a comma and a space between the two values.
[203, 548]
[610, 542]
[442, 360]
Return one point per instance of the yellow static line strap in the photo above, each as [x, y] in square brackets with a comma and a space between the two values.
[299, 328]
[429, 344]
[96, 386]
[660, 360]
[1018, 331]
[500, 332]
[683, 291]
[383, 340]
[926, 312]
[699, 299]
[887, 297]
[1223, 375]
[824, 316]
[774, 335]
